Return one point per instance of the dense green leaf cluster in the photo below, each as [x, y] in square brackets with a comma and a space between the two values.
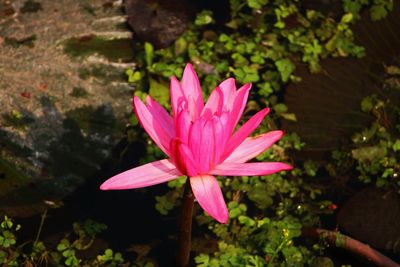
[260, 43]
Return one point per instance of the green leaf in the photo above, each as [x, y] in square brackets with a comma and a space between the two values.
[246, 74]
[257, 58]
[204, 18]
[164, 205]
[256, 4]
[289, 116]
[368, 103]
[63, 245]
[178, 182]
[160, 92]
[280, 108]
[3, 256]
[354, 6]
[236, 209]
[71, 261]
[380, 10]
[149, 51]
[347, 18]
[369, 154]
[311, 167]
[180, 46]
[202, 260]
[133, 76]
[285, 68]
[249, 222]
[396, 145]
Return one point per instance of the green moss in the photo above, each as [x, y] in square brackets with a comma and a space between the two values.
[79, 92]
[113, 49]
[26, 41]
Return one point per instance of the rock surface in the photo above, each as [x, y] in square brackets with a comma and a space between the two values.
[61, 112]
[158, 22]
[372, 216]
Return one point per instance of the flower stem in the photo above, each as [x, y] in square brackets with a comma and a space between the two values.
[185, 227]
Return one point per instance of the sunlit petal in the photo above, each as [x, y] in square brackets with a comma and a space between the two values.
[239, 104]
[244, 131]
[153, 126]
[214, 103]
[162, 115]
[207, 147]
[195, 138]
[219, 139]
[183, 125]
[253, 146]
[209, 195]
[176, 95]
[228, 89]
[149, 174]
[192, 90]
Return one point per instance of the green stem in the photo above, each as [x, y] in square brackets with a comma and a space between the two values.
[185, 227]
[280, 247]
[40, 227]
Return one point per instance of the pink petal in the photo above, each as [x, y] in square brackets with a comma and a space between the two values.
[149, 174]
[214, 103]
[253, 146]
[251, 168]
[228, 89]
[176, 95]
[239, 104]
[192, 167]
[220, 139]
[207, 147]
[209, 195]
[243, 132]
[201, 143]
[195, 136]
[183, 158]
[151, 123]
[176, 158]
[162, 115]
[194, 111]
[192, 90]
[182, 125]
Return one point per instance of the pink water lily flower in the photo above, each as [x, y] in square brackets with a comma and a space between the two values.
[200, 141]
